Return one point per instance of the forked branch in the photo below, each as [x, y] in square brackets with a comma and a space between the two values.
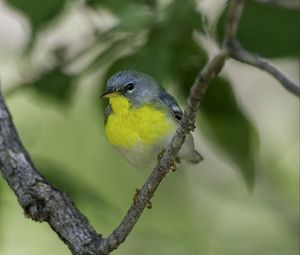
[43, 202]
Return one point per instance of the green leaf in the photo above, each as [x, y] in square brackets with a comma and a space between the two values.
[105, 56]
[134, 15]
[134, 18]
[272, 31]
[56, 85]
[170, 52]
[115, 6]
[39, 12]
[231, 132]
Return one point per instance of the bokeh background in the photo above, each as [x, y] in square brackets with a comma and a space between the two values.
[55, 57]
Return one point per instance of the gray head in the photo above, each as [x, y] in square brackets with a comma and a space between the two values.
[138, 87]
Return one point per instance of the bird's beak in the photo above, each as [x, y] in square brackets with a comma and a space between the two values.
[109, 93]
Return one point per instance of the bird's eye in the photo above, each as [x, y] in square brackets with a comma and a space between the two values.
[130, 87]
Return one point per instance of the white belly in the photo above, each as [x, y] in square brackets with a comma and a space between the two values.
[143, 156]
[146, 156]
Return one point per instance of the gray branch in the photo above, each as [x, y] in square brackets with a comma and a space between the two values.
[234, 14]
[235, 51]
[242, 55]
[39, 199]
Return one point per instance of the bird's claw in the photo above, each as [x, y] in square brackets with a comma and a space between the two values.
[192, 126]
[173, 167]
[149, 205]
[135, 197]
[161, 154]
[177, 160]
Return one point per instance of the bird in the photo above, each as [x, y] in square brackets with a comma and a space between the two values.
[141, 118]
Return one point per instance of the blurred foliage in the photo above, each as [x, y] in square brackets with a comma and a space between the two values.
[270, 30]
[115, 6]
[156, 37]
[172, 34]
[168, 52]
[227, 126]
[69, 183]
[134, 15]
[55, 84]
[39, 13]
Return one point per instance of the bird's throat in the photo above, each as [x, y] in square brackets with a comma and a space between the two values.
[119, 104]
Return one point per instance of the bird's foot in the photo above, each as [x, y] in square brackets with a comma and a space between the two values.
[151, 190]
[135, 197]
[160, 155]
[149, 205]
[173, 167]
[191, 124]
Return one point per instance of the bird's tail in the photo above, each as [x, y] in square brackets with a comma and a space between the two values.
[194, 157]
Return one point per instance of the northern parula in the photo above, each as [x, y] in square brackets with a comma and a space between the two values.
[141, 118]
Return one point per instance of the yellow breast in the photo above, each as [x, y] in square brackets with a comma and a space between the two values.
[127, 126]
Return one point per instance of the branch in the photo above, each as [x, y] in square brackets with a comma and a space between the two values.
[39, 199]
[242, 55]
[238, 53]
[234, 14]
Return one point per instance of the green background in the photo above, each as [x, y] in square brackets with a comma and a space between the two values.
[55, 57]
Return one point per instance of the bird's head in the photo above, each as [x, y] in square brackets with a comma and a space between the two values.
[138, 88]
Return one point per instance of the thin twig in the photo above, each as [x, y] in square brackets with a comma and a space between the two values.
[240, 54]
[39, 199]
[235, 10]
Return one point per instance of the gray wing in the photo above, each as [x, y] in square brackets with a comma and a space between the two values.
[107, 112]
[171, 104]
[187, 151]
